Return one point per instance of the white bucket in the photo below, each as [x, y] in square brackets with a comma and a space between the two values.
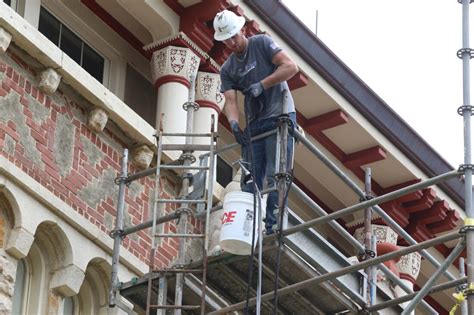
[237, 223]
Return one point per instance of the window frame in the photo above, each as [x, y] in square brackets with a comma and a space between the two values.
[62, 24]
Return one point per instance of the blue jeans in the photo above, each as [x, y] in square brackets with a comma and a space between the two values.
[264, 159]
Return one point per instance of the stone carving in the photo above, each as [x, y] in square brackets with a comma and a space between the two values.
[208, 90]
[382, 233]
[142, 157]
[97, 119]
[5, 40]
[49, 81]
[409, 266]
[174, 61]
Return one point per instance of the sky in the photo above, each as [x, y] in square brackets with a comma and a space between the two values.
[405, 51]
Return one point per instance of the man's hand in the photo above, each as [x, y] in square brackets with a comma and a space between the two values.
[237, 132]
[255, 89]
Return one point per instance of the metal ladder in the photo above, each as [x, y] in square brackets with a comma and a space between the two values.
[183, 213]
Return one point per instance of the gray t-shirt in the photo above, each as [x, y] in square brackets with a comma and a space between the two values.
[239, 72]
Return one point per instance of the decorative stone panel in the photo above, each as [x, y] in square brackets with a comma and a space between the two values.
[382, 233]
[174, 64]
[208, 91]
[409, 266]
[5, 40]
[49, 81]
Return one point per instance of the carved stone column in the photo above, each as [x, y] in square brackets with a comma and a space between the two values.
[172, 68]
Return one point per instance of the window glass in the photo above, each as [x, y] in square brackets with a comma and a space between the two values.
[68, 306]
[92, 62]
[49, 26]
[140, 95]
[71, 44]
[19, 288]
[223, 172]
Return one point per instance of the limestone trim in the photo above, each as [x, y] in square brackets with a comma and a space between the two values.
[67, 281]
[19, 242]
[5, 39]
[15, 176]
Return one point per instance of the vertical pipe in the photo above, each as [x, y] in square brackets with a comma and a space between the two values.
[467, 149]
[183, 222]
[462, 274]
[432, 280]
[163, 281]
[282, 188]
[368, 234]
[210, 193]
[117, 232]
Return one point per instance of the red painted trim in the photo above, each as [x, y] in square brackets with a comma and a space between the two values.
[425, 202]
[172, 78]
[116, 26]
[406, 276]
[364, 157]
[175, 6]
[209, 104]
[325, 121]
[299, 80]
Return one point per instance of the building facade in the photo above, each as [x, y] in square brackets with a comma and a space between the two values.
[82, 80]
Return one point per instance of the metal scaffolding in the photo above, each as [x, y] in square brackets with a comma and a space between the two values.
[464, 237]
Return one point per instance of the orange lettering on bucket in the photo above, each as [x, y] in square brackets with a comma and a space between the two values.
[228, 217]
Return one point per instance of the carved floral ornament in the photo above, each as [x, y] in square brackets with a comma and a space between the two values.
[208, 89]
[171, 61]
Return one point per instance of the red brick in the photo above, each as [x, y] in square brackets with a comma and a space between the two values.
[9, 71]
[3, 67]
[58, 187]
[24, 102]
[23, 160]
[79, 178]
[5, 87]
[34, 92]
[28, 87]
[22, 82]
[16, 77]
[51, 171]
[41, 97]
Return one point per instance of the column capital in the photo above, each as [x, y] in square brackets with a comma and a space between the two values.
[174, 64]
[208, 91]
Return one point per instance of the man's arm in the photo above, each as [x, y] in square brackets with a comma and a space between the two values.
[231, 109]
[286, 69]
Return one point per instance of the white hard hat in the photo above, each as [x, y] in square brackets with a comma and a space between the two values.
[227, 24]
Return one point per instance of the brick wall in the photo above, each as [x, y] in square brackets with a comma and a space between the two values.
[47, 137]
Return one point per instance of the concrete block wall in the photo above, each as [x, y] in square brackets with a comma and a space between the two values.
[48, 138]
